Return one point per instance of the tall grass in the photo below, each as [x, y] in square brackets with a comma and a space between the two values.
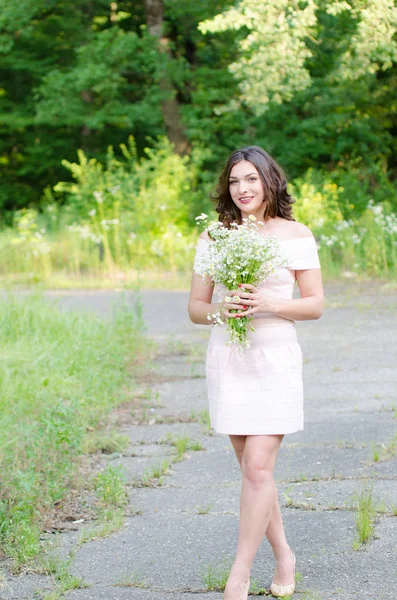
[60, 373]
[133, 220]
[364, 247]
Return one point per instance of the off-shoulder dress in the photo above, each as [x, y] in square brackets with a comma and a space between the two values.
[261, 391]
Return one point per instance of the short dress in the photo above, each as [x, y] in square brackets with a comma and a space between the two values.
[260, 392]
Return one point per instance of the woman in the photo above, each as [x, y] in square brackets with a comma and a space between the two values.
[256, 399]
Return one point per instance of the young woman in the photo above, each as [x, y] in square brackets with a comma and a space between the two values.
[257, 398]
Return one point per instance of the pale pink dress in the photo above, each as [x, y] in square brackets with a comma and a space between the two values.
[261, 391]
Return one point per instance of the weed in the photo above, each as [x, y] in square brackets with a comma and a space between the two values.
[204, 417]
[365, 517]
[204, 510]
[63, 579]
[107, 443]
[133, 580]
[394, 510]
[381, 507]
[375, 453]
[311, 596]
[154, 475]
[288, 499]
[390, 450]
[112, 521]
[112, 501]
[196, 446]
[257, 589]
[110, 488]
[182, 445]
[215, 578]
[201, 417]
[19, 533]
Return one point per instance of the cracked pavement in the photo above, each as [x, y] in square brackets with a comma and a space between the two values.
[177, 530]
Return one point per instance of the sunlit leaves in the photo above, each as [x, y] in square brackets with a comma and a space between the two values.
[272, 65]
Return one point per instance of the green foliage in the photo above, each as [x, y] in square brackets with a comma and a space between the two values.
[110, 489]
[215, 578]
[277, 40]
[105, 84]
[317, 201]
[69, 71]
[87, 76]
[137, 209]
[59, 375]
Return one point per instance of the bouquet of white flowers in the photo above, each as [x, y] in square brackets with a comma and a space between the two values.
[238, 255]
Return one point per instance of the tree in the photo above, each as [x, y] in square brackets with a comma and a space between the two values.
[154, 10]
[273, 61]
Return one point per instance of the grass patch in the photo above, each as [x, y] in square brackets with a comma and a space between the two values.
[182, 444]
[112, 522]
[390, 450]
[204, 510]
[60, 375]
[196, 446]
[63, 579]
[365, 517]
[110, 488]
[133, 580]
[385, 452]
[154, 475]
[375, 453]
[215, 578]
[107, 443]
[202, 417]
[112, 501]
[257, 589]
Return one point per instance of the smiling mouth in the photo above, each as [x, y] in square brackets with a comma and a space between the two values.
[246, 199]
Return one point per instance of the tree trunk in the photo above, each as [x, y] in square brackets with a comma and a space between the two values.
[154, 12]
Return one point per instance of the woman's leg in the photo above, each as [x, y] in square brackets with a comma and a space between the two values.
[275, 530]
[258, 496]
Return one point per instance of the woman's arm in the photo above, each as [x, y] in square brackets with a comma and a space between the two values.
[311, 303]
[200, 301]
[309, 306]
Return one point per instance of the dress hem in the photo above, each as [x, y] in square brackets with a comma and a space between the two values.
[258, 432]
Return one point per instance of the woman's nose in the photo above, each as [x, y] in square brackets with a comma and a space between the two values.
[242, 187]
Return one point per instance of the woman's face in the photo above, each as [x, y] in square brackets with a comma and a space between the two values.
[246, 189]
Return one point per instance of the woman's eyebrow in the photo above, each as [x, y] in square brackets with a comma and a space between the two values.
[244, 175]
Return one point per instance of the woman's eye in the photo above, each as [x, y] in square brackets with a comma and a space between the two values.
[252, 179]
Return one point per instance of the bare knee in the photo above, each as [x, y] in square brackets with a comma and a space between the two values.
[255, 470]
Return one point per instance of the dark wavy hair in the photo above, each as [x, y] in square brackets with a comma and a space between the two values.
[277, 200]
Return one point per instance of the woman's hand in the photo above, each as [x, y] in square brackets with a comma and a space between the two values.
[230, 302]
[252, 300]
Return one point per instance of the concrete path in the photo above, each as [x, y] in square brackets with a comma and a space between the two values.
[187, 526]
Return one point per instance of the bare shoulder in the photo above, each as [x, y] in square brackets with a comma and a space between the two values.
[298, 230]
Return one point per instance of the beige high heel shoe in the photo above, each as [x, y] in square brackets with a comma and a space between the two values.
[280, 591]
[244, 591]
